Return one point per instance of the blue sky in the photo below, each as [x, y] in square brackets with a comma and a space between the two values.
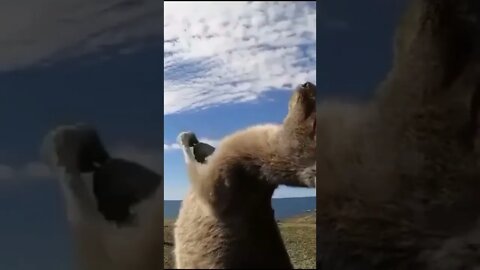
[229, 66]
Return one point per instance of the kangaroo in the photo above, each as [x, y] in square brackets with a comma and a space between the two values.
[226, 220]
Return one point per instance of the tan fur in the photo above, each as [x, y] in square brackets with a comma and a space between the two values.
[226, 220]
[398, 178]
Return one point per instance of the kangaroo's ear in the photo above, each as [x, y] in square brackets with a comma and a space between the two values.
[202, 151]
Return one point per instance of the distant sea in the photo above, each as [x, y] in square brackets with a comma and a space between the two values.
[284, 207]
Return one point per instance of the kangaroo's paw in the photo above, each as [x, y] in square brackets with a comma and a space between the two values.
[308, 176]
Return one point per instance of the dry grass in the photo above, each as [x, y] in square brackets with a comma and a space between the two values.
[299, 235]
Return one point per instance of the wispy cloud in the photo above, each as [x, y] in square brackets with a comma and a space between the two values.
[30, 170]
[172, 146]
[6, 172]
[224, 52]
[176, 146]
[41, 32]
[36, 169]
[150, 158]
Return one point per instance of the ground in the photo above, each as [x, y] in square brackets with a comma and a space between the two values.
[299, 234]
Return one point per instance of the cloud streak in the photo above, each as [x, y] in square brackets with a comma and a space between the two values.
[173, 146]
[229, 52]
[42, 32]
[150, 158]
[30, 170]
[6, 172]
[36, 169]
[176, 146]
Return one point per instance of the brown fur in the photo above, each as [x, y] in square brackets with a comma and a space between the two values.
[398, 177]
[226, 220]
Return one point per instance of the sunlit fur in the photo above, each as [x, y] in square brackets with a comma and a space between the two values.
[226, 220]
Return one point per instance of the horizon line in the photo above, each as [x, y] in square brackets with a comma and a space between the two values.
[298, 197]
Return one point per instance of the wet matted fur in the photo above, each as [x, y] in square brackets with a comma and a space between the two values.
[226, 220]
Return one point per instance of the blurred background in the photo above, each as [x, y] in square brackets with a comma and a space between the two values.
[62, 62]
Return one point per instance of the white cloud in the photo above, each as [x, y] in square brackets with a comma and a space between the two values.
[173, 146]
[35, 32]
[6, 172]
[150, 158]
[224, 52]
[31, 170]
[35, 170]
[290, 192]
[176, 146]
